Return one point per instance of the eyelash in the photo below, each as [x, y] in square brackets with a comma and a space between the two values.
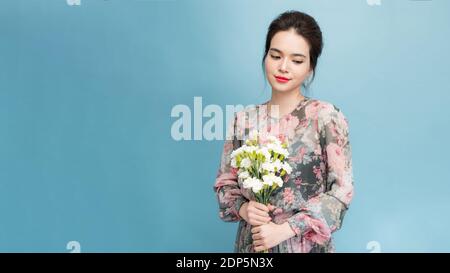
[278, 57]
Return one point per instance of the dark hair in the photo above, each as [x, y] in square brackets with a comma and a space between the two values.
[304, 25]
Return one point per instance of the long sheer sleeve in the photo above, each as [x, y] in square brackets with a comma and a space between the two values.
[226, 186]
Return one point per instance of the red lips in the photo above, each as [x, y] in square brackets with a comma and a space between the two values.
[281, 79]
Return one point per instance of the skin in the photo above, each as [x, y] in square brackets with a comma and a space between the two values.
[288, 57]
[282, 60]
[265, 233]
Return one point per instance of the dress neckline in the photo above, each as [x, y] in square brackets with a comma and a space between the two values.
[299, 105]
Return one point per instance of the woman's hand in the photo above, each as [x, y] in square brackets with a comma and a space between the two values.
[255, 213]
[270, 235]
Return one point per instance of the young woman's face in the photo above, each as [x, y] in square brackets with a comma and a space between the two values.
[288, 57]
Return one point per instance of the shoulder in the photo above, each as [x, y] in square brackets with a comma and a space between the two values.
[321, 106]
[326, 112]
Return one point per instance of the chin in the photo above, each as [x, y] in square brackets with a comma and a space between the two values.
[281, 88]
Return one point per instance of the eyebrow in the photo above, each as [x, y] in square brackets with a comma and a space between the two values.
[294, 54]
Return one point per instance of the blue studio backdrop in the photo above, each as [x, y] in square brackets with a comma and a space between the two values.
[88, 160]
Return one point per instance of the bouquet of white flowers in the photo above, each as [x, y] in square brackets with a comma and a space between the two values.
[261, 164]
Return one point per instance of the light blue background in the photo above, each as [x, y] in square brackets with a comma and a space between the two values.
[86, 93]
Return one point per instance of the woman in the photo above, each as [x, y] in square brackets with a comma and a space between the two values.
[311, 205]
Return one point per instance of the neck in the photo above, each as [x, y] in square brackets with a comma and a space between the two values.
[286, 100]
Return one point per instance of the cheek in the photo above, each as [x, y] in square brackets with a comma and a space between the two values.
[301, 73]
[267, 65]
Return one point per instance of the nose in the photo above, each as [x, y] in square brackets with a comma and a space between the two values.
[283, 66]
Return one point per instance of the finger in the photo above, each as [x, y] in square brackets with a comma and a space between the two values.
[257, 242]
[259, 212]
[261, 219]
[261, 207]
[259, 248]
[262, 213]
[255, 229]
[257, 223]
[256, 236]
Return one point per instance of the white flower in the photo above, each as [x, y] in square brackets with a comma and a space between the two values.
[267, 166]
[248, 182]
[271, 178]
[284, 152]
[280, 150]
[271, 146]
[277, 165]
[236, 152]
[265, 152]
[246, 163]
[257, 186]
[233, 163]
[278, 181]
[268, 179]
[287, 167]
[249, 149]
[244, 175]
[254, 183]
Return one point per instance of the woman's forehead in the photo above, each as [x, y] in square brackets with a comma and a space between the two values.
[289, 43]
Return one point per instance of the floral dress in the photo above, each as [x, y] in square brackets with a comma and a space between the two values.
[317, 193]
